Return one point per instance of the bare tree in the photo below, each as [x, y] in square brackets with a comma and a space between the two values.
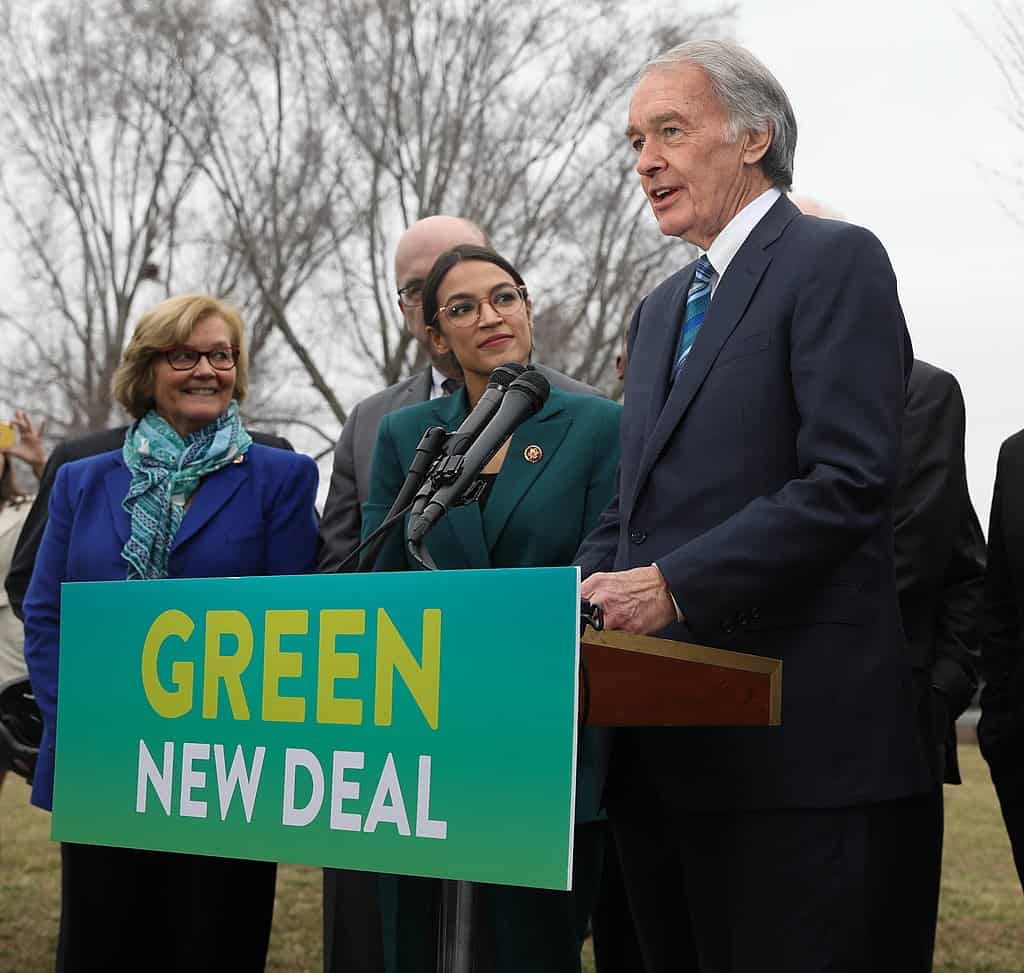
[94, 183]
[273, 180]
[272, 152]
[1006, 47]
[504, 114]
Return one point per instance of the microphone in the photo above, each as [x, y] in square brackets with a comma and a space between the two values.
[501, 378]
[525, 397]
[430, 447]
[435, 448]
[427, 452]
[459, 441]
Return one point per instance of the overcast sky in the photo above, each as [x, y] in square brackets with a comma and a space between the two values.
[902, 115]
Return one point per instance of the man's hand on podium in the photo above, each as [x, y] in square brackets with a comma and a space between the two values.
[636, 601]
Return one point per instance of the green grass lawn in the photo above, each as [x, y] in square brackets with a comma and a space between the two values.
[981, 927]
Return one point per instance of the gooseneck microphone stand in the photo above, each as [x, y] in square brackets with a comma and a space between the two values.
[455, 923]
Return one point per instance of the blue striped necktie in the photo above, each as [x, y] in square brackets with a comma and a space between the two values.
[697, 300]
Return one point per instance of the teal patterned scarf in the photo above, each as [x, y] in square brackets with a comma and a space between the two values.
[166, 471]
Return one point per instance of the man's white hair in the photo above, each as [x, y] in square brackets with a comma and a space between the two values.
[751, 95]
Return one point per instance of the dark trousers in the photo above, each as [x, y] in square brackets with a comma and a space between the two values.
[353, 942]
[777, 891]
[125, 909]
[918, 884]
[616, 948]
[652, 874]
[389, 924]
[1009, 784]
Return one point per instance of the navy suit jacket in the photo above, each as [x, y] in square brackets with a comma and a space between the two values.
[250, 518]
[761, 482]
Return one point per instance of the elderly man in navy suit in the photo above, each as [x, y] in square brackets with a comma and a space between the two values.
[760, 454]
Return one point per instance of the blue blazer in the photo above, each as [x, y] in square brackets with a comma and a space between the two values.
[537, 513]
[255, 517]
[761, 481]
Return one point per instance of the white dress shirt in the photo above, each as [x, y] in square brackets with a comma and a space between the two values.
[727, 244]
[437, 380]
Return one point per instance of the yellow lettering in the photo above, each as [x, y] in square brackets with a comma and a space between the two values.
[167, 702]
[278, 665]
[338, 665]
[226, 668]
[422, 679]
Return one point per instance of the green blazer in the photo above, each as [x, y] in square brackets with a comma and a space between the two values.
[536, 516]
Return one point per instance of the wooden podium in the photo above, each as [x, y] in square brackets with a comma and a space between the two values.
[637, 680]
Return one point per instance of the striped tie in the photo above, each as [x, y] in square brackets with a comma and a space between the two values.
[696, 307]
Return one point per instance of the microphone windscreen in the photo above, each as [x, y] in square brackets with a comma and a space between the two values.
[534, 385]
[504, 375]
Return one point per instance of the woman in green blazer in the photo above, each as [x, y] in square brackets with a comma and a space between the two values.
[557, 473]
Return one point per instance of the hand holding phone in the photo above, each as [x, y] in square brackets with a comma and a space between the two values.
[24, 439]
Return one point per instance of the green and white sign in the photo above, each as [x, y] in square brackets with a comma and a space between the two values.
[413, 723]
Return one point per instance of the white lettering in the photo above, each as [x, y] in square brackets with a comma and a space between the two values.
[393, 813]
[192, 779]
[160, 779]
[292, 815]
[425, 828]
[342, 790]
[239, 777]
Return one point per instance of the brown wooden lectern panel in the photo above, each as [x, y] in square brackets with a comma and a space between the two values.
[637, 680]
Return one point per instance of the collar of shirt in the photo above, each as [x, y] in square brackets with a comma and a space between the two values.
[436, 383]
[727, 244]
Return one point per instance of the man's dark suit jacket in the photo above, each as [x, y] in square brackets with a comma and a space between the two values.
[940, 561]
[32, 532]
[761, 482]
[1001, 730]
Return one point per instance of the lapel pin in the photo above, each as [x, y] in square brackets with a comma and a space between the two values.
[533, 454]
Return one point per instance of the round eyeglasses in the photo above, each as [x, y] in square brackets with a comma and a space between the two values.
[183, 358]
[412, 294]
[464, 312]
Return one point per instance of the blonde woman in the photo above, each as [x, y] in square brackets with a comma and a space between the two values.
[188, 495]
